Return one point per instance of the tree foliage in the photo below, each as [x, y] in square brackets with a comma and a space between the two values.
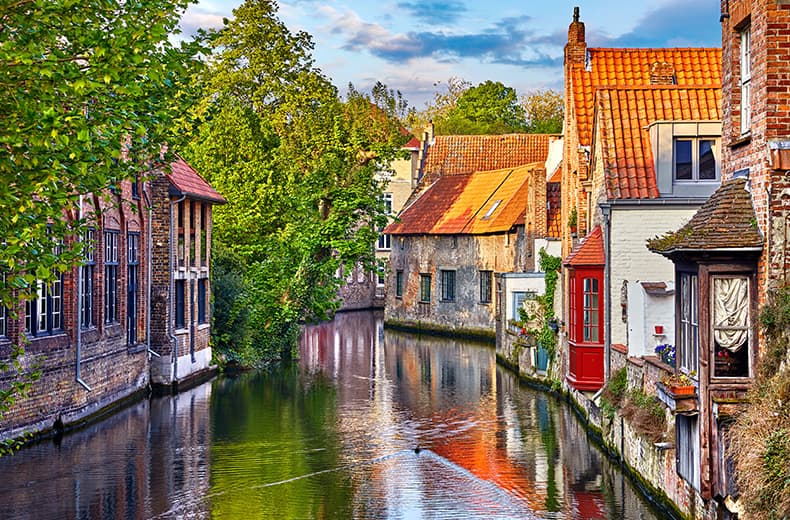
[298, 166]
[544, 111]
[91, 91]
[489, 108]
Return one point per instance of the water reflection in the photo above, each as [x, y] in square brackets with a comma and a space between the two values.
[369, 424]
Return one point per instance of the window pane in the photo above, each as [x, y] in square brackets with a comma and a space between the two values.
[683, 159]
[399, 283]
[707, 159]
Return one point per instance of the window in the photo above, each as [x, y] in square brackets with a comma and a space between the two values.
[180, 310]
[203, 235]
[492, 209]
[44, 314]
[399, 284]
[136, 187]
[133, 269]
[110, 276]
[425, 288]
[486, 278]
[88, 279]
[688, 336]
[591, 306]
[696, 159]
[202, 286]
[448, 285]
[180, 252]
[519, 297]
[688, 451]
[385, 241]
[746, 79]
[192, 242]
[379, 279]
[730, 317]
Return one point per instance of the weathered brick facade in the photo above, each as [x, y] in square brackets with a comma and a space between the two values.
[97, 352]
[768, 22]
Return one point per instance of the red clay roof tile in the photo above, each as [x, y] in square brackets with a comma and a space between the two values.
[630, 67]
[477, 203]
[188, 182]
[589, 251]
[623, 115]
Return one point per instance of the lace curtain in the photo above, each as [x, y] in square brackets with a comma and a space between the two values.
[730, 312]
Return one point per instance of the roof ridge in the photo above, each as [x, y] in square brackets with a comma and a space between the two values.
[642, 49]
[657, 87]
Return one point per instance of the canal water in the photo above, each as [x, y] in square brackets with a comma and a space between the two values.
[369, 423]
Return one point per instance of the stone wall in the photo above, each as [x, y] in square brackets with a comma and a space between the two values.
[464, 254]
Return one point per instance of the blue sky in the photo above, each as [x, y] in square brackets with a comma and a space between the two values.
[410, 45]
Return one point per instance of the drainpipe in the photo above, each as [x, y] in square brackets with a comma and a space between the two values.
[173, 261]
[149, 259]
[607, 294]
[78, 373]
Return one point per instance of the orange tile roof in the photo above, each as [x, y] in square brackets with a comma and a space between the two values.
[188, 182]
[463, 154]
[467, 204]
[631, 67]
[623, 115]
[589, 251]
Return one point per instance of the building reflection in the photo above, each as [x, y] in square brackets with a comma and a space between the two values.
[144, 461]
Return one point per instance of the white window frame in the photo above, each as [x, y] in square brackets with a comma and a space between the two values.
[385, 241]
[745, 79]
[688, 450]
[695, 159]
[688, 335]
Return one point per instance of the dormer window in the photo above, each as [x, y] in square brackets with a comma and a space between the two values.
[696, 159]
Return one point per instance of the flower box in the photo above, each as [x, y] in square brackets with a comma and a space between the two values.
[682, 389]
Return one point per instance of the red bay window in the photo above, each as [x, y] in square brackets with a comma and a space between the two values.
[585, 267]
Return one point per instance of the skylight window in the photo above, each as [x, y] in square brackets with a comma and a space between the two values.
[492, 209]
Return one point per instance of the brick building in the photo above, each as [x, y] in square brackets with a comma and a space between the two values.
[96, 330]
[734, 250]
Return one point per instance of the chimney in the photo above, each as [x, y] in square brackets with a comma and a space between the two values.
[576, 48]
[662, 73]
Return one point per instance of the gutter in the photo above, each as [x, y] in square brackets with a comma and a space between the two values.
[607, 295]
[78, 373]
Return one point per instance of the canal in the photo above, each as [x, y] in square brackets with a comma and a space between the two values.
[369, 423]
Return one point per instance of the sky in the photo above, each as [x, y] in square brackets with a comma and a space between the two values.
[415, 46]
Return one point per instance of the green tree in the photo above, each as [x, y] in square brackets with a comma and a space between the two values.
[444, 100]
[91, 91]
[298, 165]
[489, 108]
[544, 111]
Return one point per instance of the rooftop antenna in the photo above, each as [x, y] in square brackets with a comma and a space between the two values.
[576, 14]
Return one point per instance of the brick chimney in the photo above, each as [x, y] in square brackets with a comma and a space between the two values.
[576, 48]
[662, 73]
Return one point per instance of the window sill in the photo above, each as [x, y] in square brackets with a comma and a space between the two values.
[740, 141]
[203, 326]
[136, 348]
[181, 332]
[484, 303]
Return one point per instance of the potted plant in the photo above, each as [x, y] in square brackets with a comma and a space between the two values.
[573, 221]
[666, 353]
[679, 384]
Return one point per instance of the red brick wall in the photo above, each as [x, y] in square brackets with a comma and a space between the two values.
[770, 101]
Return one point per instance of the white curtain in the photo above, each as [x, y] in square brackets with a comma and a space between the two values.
[730, 311]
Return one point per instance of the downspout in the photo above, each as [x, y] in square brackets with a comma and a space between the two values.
[78, 374]
[607, 295]
[149, 260]
[170, 289]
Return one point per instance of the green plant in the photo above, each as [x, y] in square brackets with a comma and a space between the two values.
[677, 379]
[573, 218]
[759, 439]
